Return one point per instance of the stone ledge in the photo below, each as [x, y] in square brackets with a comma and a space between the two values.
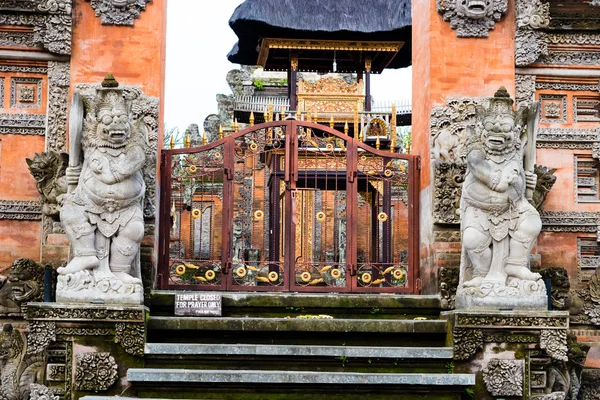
[68, 312]
[141, 375]
[297, 325]
[176, 349]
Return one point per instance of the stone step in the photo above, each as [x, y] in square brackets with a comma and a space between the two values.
[197, 349]
[346, 325]
[269, 377]
[364, 305]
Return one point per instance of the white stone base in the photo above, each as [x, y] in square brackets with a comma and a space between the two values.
[517, 294]
[84, 287]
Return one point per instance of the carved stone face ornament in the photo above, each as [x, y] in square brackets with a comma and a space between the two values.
[475, 9]
[498, 132]
[113, 126]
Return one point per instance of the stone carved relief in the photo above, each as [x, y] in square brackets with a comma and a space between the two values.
[545, 181]
[570, 58]
[24, 284]
[525, 90]
[132, 337]
[472, 18]
[39, 335]
[467, 342]
[554, 108]
[494, 271]
[449, 178]
[18, 367]
[95, 371]
[559, 288]
[24, 210]
[88, 313]
[448, 278]
[22, 124]
[554, 342]
[26, 94]
[504, 377]
[566, 138]
[590, 384]
[570, 221]
[530, 42]
[48, 169]
[566, 86]
[58, 97]
[448, 128]
[52, 32]
[510, 321]
[30, 85]
[119, 12]
[41, 392]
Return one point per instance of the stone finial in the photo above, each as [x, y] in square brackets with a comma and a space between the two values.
[110, 81]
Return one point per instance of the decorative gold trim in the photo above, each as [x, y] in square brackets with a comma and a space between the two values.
[398, 273]
[196, 213]
[388, 173]
[305, 277]
[293, 62]
[180, 269]
[241, 271]
[210, 275]
[217, 155]
[368, 64]
[192, 169]
[336, 273]
[259, 215]
[305, 44]
[253, 146]
[382, 217]
[366, 277]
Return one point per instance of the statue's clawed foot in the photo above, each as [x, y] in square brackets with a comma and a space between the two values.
[126, 278]
[79, 264]
[474, 282]
[496, 278]
[523, 273]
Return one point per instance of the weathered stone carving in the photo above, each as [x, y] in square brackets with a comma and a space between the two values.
[22, 124]
[119, 12]
[545, 181]
[570, 221]
[40, 392]
[95, 371]
[590, 384]
[566, 138]
[449, 178]
[103, 217]
[132, 336]
[448, 278]
[530, 43]
[39, 335]
[498, 224]
[559, 288]
[504, 377]
[513, 320]
[85, 313]
[566, 86]
[18, 368]
[472, 18]
[570, 58]
[448, 127]
[48, 169]
[26, 210]
[17, 84]
[467, 342]
[555, 343]
[58, 97]
[525, 90]
[24, 284]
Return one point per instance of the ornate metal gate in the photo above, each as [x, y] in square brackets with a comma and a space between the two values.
[288, 206]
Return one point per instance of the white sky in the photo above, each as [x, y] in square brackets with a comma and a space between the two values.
[198, 40]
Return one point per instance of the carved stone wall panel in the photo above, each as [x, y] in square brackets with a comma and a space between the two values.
[467, 342]
[448, 127]
[119, 12]
[553, 108]
[566, 86]
[448, 179]
[566, 138]
[571, 58]
[25, 92]
[504, 377]
[132, 337]
[26, 210]
[570, 221]
[39, 335]
[41, 392]
[24, 69]
[525, 90]
[95, 371]
[22, 124]
[530, 42]
[88, 312]
[554, 342]
[1, 93]
[58, 100]
[469, 19]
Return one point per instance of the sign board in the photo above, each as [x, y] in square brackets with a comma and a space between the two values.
[198, 304]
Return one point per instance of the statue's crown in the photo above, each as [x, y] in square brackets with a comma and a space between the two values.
[110, 97]
[501, 103]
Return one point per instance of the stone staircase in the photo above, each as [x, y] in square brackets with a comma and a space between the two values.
[299, 346]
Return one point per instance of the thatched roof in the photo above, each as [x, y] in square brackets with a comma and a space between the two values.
[368, 20]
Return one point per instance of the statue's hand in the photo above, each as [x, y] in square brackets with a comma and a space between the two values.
[506, 179]
[96, 166]
[530, 180]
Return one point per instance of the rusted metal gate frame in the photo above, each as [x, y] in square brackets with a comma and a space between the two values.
[290, 178]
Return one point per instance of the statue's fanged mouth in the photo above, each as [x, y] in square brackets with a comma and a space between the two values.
[118, 134]
[476, 8]
[496, 140]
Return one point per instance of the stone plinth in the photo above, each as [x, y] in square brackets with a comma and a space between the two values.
[86, 348]
[516, 295]
[514, 353]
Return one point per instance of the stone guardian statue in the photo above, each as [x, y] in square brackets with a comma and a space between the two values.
[499, 226]
[102, 213]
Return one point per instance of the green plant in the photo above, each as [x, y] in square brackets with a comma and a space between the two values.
[470, 392]
[375, 310]
[450, 367]
[343, 359]
[258, 84]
